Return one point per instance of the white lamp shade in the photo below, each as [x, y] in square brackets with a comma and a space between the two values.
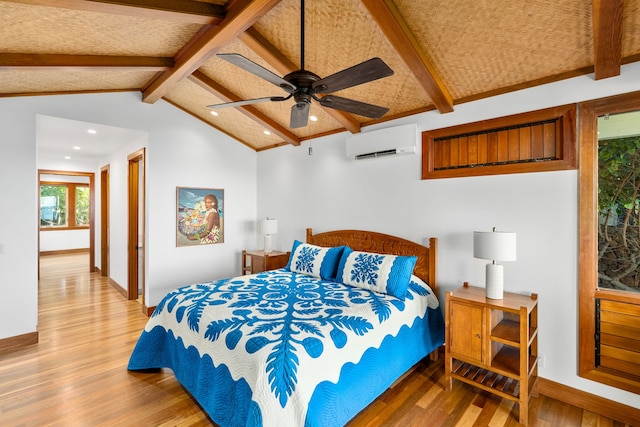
[269, 226]
[494, 245]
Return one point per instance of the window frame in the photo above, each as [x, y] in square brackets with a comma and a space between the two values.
[565, 140]
[588, 290]
[71, 205]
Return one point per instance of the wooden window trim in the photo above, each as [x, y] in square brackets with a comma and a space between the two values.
[71, 203]
[75, 227]
[588, 239]
[565, 144]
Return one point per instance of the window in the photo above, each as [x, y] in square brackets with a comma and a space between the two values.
[609, 304]
[64, 205]
[542, 140]
[619, 202]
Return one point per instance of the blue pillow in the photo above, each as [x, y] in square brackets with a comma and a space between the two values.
[388, 274]
[314, 260]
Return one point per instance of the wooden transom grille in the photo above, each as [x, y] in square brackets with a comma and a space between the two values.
[529, 142]
[525, 143]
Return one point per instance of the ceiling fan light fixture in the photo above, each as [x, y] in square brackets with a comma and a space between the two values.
[303, 85]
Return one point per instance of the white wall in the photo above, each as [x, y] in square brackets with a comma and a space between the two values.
[326, 191]
[18, 232]
[60, 240]
[182, 151]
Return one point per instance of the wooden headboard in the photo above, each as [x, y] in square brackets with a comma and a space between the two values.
[369, 241]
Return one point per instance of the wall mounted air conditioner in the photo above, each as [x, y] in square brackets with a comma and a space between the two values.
[383, 142]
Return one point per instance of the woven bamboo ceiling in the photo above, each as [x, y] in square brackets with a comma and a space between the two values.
[442, 53]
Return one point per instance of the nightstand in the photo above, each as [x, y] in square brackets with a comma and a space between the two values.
[493, 344]
[259, 261]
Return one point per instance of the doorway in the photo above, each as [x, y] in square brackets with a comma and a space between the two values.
[136, 226]
[70, 175]
[104, 221]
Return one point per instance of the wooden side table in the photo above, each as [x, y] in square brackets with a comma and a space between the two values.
[493, 344]
[259, 261]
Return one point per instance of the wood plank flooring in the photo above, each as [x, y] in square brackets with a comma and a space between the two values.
[76, 375]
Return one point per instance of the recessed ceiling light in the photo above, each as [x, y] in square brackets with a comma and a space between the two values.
[214, 113]
[67, 157]
[313, 118]
[266, 132]
[92, 131]
[76, 148]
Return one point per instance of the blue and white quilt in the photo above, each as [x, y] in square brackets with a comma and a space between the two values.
[282, 348]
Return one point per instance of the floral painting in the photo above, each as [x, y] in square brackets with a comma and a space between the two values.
[199, 216]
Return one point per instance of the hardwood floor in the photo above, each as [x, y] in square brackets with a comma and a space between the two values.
[76, 375]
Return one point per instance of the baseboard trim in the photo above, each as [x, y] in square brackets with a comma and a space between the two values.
[590, 402]
[65, 251]
[148, 311]
[122, 291]
[17, 342]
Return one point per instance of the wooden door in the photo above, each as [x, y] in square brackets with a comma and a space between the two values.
[104, 221]
[466, 331]
[136, 235]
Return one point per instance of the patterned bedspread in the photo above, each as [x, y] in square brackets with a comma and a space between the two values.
[287, 349]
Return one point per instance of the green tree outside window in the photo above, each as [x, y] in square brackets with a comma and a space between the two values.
[619, 207]
[64, 205]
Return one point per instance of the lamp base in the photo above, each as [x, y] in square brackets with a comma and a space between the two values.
[268, 244]
[494, 281]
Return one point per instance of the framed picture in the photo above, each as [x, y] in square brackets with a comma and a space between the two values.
[199, 216]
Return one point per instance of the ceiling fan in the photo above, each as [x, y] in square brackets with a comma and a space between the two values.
[303, 85]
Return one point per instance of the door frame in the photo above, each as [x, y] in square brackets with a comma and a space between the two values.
[104, 220]
[136, 197]
[92, 208]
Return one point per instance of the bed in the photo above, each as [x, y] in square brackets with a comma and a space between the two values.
[311, 344]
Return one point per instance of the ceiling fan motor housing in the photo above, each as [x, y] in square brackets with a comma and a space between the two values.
[302, 80]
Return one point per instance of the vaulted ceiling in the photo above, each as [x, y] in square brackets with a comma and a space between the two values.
[442, 53]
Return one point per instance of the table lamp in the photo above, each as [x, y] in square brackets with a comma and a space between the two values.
[269, 227]
[495, 246]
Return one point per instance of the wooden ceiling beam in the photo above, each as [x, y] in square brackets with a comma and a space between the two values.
[607, 37]
[264, 49]
[250, 111]
[267, 51]
[239, 17]
[31, 61]
[393, 25]
[187, 11]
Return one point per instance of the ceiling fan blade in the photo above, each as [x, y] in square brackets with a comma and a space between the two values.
[299, 115]
[258, 70]
[248, 101]
[353, 106]
[373, 69]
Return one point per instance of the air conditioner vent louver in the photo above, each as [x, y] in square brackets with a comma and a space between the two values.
[376, 154]
[383, 142]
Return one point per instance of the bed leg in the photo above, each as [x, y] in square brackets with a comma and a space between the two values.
[433, 356]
